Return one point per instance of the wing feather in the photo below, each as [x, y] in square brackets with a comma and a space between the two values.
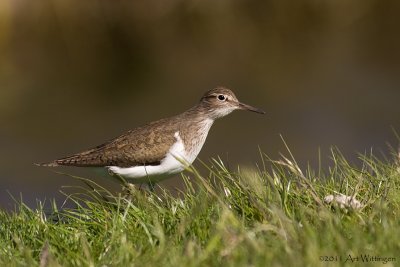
[146, 145]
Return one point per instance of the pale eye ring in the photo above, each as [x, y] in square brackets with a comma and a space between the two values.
[221, 97]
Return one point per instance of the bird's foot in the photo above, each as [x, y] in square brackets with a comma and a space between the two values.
[129, 190]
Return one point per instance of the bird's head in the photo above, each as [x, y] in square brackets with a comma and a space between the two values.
[221, 101]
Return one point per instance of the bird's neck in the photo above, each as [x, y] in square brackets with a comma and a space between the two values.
[195, 124]
[200, 112]
[198, 117]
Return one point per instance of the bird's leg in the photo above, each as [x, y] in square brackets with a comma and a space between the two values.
[149, 186]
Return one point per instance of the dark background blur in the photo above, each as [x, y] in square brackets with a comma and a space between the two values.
[76, 73]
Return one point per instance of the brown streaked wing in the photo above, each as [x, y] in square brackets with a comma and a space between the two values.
[145, 145]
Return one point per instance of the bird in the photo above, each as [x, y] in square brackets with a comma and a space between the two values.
[158, 150]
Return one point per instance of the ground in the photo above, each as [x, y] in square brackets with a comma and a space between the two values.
[276, 214]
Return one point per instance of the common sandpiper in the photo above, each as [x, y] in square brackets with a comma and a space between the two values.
[157, 150]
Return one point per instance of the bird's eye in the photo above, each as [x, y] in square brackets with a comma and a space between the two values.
[221, 97]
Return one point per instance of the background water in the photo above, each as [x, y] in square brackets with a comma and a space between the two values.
[76, 73]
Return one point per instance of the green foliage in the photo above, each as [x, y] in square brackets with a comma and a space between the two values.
[272, 215]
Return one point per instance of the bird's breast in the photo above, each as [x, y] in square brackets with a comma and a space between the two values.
[195, 138]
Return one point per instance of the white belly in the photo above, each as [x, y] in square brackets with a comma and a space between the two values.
[175, 161]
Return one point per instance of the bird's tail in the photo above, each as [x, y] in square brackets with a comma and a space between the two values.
[48, 164]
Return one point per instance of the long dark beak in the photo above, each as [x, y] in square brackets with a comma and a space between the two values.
[250, 108]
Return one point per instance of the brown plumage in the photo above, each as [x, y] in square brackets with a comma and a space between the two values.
[149, 144]
[141, 146]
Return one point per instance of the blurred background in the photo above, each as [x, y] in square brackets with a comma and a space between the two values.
[74, 74]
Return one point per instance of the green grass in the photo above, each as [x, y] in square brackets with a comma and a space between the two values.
[274, 215]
